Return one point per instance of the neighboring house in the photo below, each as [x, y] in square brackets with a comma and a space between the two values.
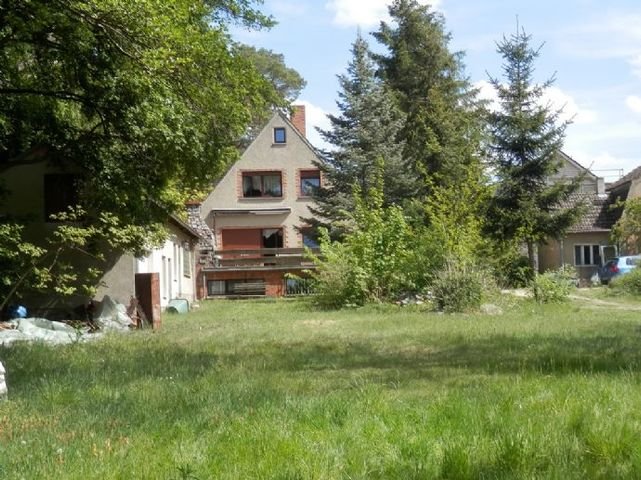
[253, 215]
[174, 262]
[36, 190]
[587, 244]
[627, 188]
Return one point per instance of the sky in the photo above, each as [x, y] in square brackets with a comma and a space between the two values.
[592, 47]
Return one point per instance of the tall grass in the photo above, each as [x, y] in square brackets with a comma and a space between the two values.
[258, 390]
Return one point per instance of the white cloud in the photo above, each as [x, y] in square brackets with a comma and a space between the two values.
[364, 13]
[633, 102]
[558, 99]
[315, 117]
[553, 96]
[614, 35]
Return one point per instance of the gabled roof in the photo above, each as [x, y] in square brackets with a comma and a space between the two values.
[564, 156]
[176, 221]
[300, 135]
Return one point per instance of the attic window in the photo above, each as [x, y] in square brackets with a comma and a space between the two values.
[279, 135]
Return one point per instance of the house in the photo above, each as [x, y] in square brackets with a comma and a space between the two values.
[37, 190]
[587, 244]
[252, 217]
[627, 187]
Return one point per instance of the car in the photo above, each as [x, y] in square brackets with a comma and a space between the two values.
[618, 266]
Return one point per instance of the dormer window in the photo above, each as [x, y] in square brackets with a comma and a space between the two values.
[280, 136]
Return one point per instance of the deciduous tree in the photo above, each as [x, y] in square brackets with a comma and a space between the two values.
[145, 99]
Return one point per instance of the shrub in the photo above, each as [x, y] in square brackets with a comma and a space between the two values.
[373, 261]
[458, 288]
[512, 270]
[337, 281]
[630, 283]
[553, 286]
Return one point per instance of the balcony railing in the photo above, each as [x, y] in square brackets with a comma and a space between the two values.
[261, 259]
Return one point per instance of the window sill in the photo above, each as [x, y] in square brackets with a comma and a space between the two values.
[260, 198]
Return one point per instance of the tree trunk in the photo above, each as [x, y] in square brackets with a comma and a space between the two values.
[532, 256]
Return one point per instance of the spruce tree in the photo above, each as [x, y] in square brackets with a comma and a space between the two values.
[363, 134]
[526, 136]
[443, 125]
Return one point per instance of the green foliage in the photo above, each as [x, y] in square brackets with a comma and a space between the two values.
[627, 230]
[455, 216]
[338, 279]
[526, 138]
[364, 132]
[442, 125]
[510, 267]
[55, 265]
[629, 283]
[553, 286]
[145, 99]
[458, 288]
[372, 262]
[286, 82]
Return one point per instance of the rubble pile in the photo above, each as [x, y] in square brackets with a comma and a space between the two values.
[108, 316]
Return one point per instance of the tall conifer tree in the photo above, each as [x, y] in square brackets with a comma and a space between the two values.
[526, 136]
[364, 133]
[442, 128]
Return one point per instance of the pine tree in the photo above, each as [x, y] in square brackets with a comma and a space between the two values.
[363, 133]
[443, 124]
[526, 136]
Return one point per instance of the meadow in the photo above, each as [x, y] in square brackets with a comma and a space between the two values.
[278, 390]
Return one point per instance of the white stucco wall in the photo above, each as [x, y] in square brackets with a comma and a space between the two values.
[168, 262]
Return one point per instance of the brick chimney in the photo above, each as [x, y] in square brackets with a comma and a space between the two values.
[298, 119]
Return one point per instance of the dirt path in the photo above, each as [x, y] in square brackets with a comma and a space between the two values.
[597, 302]
[587, 301]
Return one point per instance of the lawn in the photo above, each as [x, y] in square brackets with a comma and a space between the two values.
[277, 390]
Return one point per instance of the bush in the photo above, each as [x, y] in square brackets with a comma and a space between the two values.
[553, 286]
[630, 283]
[337, 281]
[512, 270]
[458, 289]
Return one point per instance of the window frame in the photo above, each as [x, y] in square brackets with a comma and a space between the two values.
[280, 236]
[594, 254]
[186, 259]
[261, 174]
[275, 137]
[302, 176]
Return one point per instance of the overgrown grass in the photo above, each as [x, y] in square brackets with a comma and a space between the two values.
[258, 390]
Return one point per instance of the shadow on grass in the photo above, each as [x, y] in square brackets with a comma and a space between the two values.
[123, 362]
[492, 355]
